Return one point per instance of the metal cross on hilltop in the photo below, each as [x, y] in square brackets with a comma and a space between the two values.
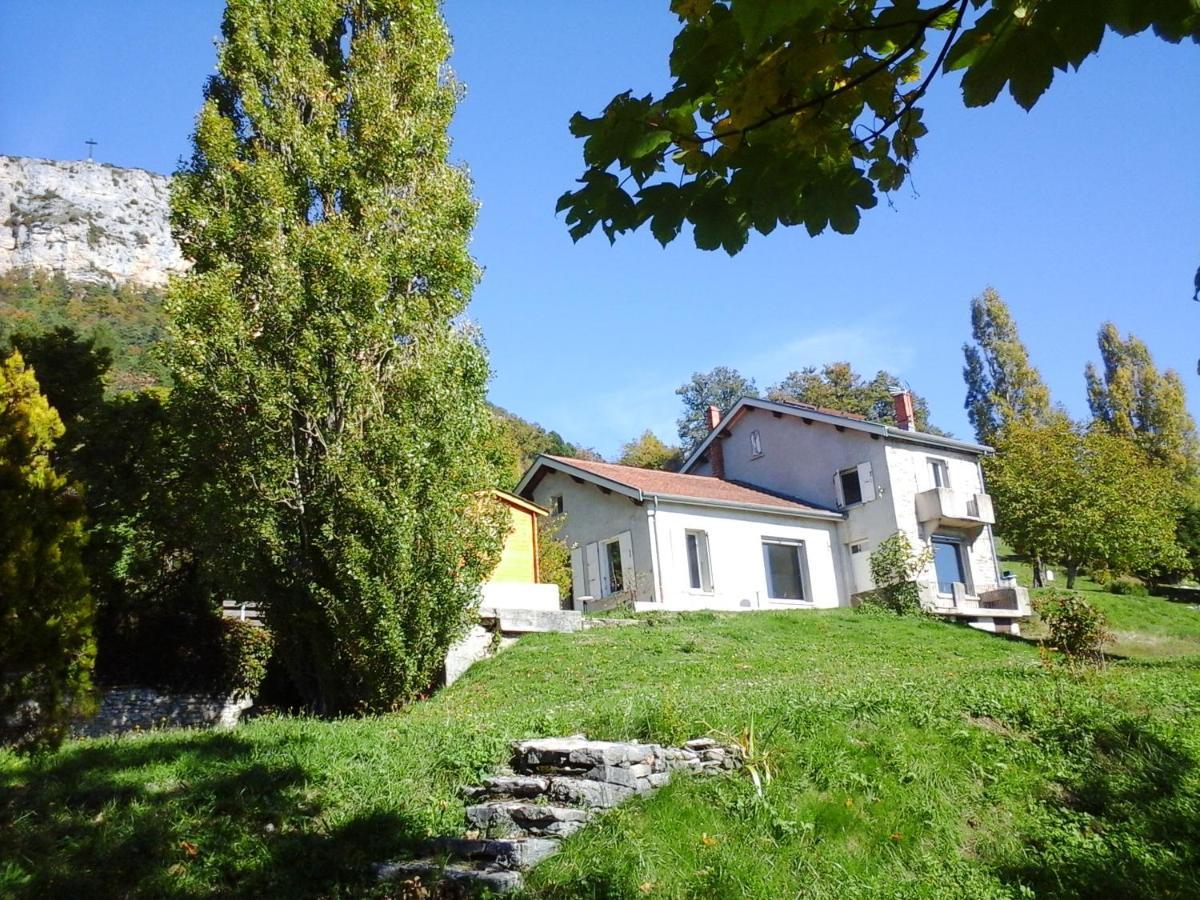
[90, 144]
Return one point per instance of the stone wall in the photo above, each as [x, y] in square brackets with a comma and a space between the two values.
[141, 709]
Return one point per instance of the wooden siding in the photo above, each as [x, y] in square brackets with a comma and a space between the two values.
[518, 561]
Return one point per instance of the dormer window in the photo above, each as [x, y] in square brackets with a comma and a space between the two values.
[755, 445]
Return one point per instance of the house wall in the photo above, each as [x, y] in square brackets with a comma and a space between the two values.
[736, 557]
[518, 559]
[801, 460]
[910, 475]
[591, 515]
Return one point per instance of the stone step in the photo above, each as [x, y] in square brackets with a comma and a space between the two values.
[562, 790]
[526, 621]
[475, 877]
[517, 817]
[576, 754]
[505, 853]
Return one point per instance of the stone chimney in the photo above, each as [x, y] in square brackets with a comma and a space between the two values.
[905, 417]
[716, 452]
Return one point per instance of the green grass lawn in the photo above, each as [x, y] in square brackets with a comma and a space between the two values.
[913, 758]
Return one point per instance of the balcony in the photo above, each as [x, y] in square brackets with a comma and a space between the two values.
[954, 509]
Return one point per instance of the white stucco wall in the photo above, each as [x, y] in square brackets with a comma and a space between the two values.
[736, 556]
[911, 474]
[800, 460]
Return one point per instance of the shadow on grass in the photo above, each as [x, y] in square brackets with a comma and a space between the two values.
[1127, 826]
[186, 817]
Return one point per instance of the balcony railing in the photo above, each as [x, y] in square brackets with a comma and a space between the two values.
[959, 509]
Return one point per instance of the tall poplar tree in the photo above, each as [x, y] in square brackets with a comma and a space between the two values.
[1132, 399]
[1002, 385]
[334, 401]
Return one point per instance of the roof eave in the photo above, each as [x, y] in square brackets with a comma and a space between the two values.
[753, 507]
[556, 465]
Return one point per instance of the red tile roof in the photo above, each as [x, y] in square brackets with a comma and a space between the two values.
[675, 484]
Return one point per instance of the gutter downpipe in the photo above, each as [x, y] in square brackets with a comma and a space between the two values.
[658, 591]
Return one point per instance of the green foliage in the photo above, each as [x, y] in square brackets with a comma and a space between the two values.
[124, 322]
[46, 646]
[1133, 400]
[909, 757]
[529, 440]
[722, 387]
[648, 452]
[1078, 630]
[895, 566]
[332, 405]
[245, 652]
[554, 556]
[1187, 536]
[1002, 385]
[794, 112]
[1127, 587]
[1084, 499]
[837, 386]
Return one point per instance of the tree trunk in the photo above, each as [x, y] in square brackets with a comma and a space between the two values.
[1038, 582]
[1072, 571]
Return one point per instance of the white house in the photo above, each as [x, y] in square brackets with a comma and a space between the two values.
[780, 507]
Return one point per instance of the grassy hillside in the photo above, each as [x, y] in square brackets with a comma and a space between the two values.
[126, 320]
[913, 758]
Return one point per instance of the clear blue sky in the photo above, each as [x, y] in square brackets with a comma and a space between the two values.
[1086, 209]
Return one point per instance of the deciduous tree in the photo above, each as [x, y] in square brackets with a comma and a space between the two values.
[721, 387]
[837, 386]
[1133, 399]
[46, 648]
[1083, 498]
[1002, 385]
[648, 452]
[789, 112]
[335, 402]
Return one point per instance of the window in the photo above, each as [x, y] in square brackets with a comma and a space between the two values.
[948, 563]
[858, 548]
[940, 473]
[851, 486]
[699, 567]
[784, 562]
[556, 505]
[615, 571]
[755, 444]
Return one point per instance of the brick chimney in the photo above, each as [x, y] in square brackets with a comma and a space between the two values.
[903, 403]
[716, 452]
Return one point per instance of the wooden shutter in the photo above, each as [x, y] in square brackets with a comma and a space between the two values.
[594, 586]
[866, 483]
[625, 542]
[837, 490]
[578, 574]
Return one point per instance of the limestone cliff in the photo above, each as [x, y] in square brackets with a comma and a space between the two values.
[91, 222]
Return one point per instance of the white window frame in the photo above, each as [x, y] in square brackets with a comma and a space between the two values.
[703, 560]
[606, 569]
[802, 555]
[936, 465]
[755, 444]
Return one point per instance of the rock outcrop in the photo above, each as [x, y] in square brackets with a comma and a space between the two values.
[88, 221]
[554, 787]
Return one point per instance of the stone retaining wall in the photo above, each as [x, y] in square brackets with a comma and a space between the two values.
[141, 709]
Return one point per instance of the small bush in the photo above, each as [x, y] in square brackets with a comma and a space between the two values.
[1129, 587]
[245, 651]
[1077, 629]
[895, 563]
